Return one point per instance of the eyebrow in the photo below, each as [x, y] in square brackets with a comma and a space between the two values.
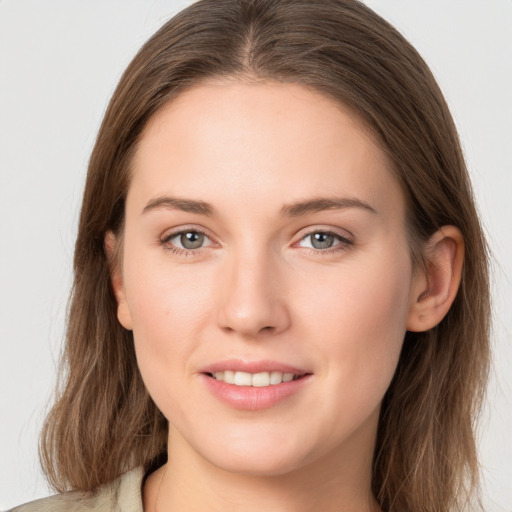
[295, 209]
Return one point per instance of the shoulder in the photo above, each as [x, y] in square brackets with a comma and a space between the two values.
[121, 495]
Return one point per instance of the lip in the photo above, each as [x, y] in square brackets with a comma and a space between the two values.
[240, 365]
[251, 398]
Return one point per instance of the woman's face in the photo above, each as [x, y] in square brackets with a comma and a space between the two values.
[265, 236]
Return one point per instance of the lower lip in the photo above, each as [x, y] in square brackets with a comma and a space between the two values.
[252, 398]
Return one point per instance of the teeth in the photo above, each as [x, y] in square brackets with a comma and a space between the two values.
[254, 379]
[276, 378]
[243, 379]
[259, 380]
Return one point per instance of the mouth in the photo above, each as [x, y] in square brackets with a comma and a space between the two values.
[257, 380]
[254, 385]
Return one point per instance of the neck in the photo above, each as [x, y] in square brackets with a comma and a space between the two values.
[188, 482]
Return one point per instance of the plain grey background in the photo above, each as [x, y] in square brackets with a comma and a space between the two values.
[59, 63]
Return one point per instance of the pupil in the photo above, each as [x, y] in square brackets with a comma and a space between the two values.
[192, 240]
[322, 240]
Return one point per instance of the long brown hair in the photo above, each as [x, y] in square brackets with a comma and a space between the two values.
[104, 422]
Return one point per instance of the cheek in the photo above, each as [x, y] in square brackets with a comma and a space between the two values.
[359, 322]
[369, 295]
[168, 308]
[165, 299]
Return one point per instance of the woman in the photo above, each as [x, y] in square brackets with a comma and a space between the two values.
[281, 292]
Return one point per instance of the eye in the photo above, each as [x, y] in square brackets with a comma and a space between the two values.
[323, 240]
[186, 240]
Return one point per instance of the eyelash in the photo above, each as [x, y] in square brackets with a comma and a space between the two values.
[344, 242]
[164, 242]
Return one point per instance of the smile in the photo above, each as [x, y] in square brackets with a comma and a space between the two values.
[254, 385]
[258, 380]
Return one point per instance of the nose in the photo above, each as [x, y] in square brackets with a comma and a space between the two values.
[252, 298]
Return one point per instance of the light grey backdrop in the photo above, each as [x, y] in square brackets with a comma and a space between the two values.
[59, 63]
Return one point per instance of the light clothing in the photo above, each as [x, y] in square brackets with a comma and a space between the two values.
[121, 495]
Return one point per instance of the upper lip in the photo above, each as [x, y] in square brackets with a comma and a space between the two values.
[240, 365]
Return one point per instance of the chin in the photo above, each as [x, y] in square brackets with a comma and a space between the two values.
[265, 466]
[258, 458]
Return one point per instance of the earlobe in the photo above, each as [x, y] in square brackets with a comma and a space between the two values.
[116, 279]
[435, 289]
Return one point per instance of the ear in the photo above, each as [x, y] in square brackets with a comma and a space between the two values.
[434, 289]
[116, 278]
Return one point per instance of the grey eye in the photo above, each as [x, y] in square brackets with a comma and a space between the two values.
[191, 239]
[322, 240]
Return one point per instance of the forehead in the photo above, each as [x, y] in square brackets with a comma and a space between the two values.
[254, 140]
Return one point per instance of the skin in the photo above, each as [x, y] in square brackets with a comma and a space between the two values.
[259, 289]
